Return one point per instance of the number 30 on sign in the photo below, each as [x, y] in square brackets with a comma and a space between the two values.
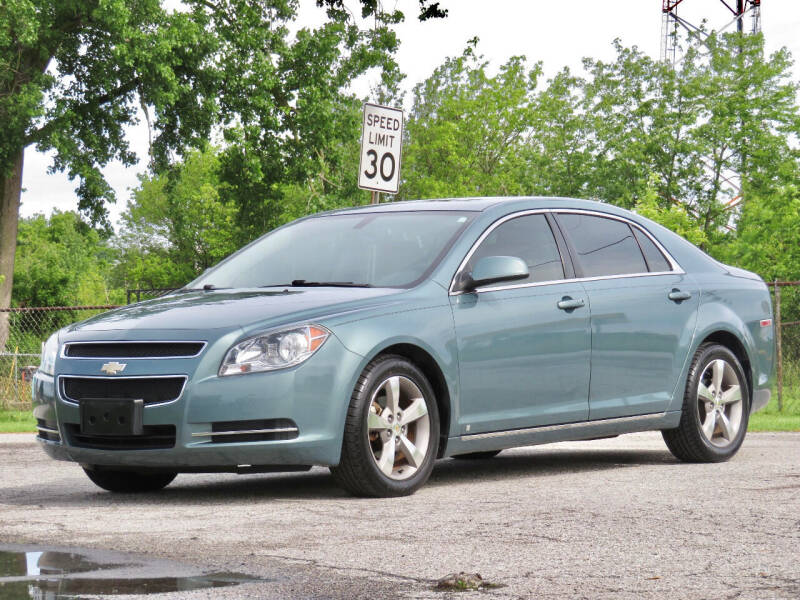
[381, 142]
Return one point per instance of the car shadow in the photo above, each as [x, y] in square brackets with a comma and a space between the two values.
[318, 484]
[543, 463]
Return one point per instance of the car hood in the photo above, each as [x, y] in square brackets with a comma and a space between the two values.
[229, 309]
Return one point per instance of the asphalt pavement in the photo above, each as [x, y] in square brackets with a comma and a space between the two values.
[616, 518]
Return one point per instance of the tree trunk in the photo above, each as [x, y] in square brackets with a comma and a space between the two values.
[10, 189]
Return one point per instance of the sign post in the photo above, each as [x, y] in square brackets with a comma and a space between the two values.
[381, 143]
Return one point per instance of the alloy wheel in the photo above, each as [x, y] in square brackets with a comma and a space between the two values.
[398, 427]
[719, 403]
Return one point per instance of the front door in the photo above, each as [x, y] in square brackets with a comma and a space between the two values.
[523, 361]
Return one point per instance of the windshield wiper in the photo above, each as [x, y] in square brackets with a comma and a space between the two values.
[209, 287]
[306, 283]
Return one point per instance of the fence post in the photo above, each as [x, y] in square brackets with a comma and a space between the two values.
[778, 344]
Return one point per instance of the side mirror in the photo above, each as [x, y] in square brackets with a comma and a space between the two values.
[494, 269]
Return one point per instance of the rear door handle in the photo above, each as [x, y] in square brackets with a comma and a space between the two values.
[567, 303]
[678, 296]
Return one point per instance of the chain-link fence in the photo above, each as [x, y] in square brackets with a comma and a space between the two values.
[147, 293]
[24, 330]
[786, 303]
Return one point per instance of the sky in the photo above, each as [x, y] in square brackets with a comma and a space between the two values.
[557, 33]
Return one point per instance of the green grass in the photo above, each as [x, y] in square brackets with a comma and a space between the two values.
[764, 421]
[17, 421]
[771, 419]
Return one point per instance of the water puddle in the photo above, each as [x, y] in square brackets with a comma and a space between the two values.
[23, 564]
[36, 573]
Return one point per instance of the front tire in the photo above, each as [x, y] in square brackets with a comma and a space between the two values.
[391, 434]
[716, 408]
[129, 482]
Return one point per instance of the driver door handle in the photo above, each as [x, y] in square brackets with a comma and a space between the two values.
[678, 296]
[568, 303]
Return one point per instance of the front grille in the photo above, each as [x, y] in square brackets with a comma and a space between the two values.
[153, 437]
[133, 349]
[259, 430]
[150, 389]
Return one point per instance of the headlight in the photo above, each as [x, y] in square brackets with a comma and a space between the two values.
[49, 351]
[276, 350]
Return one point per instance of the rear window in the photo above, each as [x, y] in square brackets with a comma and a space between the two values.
[604, 246]
[656, 261]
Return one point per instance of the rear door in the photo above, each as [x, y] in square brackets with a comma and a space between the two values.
[643, 314]
[523, 361]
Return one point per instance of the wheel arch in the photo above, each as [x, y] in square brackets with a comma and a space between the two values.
[732, 342]
[433, 372]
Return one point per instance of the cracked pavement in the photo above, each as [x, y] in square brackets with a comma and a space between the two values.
[616, 518]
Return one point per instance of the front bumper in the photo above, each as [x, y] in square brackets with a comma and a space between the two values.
[313, 395]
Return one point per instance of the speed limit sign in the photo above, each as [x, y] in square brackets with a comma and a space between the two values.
[381, 141]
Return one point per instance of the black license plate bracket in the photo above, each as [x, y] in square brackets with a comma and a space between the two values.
[112, 416]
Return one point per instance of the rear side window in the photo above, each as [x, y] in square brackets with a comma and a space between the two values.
[528, 238]
[655, 260]
[605, 246]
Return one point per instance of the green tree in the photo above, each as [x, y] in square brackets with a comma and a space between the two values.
[467, 129]
[61, 261]
[330, 180]
[674, 216]
[559, 153]
[175, 225]
[427, 9]
[74, 74]
[748, 113]
[640, 113]
[767, 238]
[300, 142]
[767, 241]
[713, 131]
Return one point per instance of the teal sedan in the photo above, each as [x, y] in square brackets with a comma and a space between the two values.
[377, 339]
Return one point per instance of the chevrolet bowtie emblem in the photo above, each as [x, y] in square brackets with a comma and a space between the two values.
[112, 368]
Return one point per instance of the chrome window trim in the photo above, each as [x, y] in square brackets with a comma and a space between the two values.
[676, 268]
[64, 398]
[63, 353]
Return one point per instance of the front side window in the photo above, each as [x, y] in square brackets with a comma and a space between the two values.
[604, 246]
[528, 238]
[380, 249]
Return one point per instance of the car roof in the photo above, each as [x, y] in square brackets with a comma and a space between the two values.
[476, 204]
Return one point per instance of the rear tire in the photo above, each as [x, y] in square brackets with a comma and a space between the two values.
[716, 408]
[478, 455]
[129, 482]
[391, 434]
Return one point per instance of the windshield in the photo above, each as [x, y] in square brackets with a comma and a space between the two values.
[370, 249]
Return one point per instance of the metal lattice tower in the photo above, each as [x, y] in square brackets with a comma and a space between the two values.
[671, 24]
[742, 10]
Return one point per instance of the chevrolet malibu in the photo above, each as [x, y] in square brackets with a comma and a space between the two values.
[375, 340]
